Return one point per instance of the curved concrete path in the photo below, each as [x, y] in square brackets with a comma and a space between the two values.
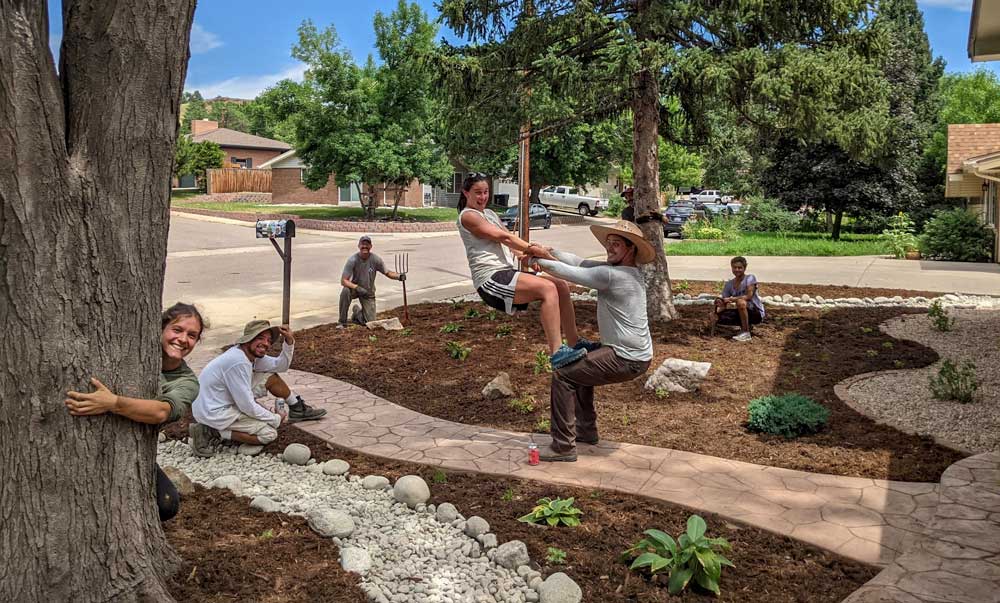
[869, 520]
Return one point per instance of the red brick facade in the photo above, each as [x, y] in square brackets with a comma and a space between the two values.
[287, 187]
[258, 156]
[413, 197]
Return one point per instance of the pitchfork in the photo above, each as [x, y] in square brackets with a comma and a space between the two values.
[402, 267]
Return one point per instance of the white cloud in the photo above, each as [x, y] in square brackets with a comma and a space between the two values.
[246, 86]
[962, 5]
[203, 40]
[55, 41]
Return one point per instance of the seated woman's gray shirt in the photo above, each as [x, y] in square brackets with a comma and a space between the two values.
[621, 301]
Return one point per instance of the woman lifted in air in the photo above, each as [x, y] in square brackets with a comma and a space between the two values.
[496, 278]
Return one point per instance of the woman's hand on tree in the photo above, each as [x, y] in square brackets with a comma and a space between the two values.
[97, 402]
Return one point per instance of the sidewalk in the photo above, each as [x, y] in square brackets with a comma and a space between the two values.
[854, 271]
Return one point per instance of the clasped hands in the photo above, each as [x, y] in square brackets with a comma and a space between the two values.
[537, 250]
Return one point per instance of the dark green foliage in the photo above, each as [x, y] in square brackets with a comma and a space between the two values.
[953, 383]
[196, 157]
[956, 235]
[787, 415]
[766, 215]
[692, 556]
[939, 316]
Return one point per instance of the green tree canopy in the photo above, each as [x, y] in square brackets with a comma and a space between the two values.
[966, 98]
[196, 157]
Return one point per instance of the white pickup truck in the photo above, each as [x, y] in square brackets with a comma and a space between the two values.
[570, 197]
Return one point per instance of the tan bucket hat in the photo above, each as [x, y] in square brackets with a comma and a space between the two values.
[645, 253]
[255, 328]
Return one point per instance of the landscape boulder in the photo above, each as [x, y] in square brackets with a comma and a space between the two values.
[676, 375]
[228, 482]
[375, 482]
[296, 454]
[476, 526]
[331, 523]
[354, 559]
[500, 387]
[411, 490]
[389, 324]
[336, 467]
[446, 513]
[265, 504]
[181, 481]
[512, 554]
[559, 588]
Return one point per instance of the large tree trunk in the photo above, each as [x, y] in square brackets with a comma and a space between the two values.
[646, 173]
[84, 207]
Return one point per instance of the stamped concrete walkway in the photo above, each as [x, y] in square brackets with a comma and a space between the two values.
[869, 520]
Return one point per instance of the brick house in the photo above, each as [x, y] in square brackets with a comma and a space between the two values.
[973, 171]
[287, 186]
[242, 150]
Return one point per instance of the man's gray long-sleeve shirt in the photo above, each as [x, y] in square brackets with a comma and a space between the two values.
[621, 301]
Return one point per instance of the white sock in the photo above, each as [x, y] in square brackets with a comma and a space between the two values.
[293, 398]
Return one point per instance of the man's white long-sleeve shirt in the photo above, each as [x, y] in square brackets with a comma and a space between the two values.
[225, 391]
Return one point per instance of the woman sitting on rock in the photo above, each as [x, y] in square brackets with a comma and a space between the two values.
[498, 281]
[181, 328]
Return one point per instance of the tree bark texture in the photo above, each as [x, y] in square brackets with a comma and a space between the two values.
[646, 170]
[84, 207]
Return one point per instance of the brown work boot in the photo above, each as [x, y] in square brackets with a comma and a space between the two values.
[549, 455]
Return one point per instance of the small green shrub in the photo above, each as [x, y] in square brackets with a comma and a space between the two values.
[766, 215]
[542, 363]
[472, 313]
[451, 328]
[491, 315]
[524, 406]
[266, 534]
[939, 316]
[373, 338]
[956, 235]
[899, 364]
[701, 229]
[555, 556]
[681, 286]
[662, 392]
[887, 345]
[406, 332]
[787, 415]
[457, 350]
[553, 512]
[616, 204]
[508, 495]
[543, 426]
[504, 331]
[691, 557]
[871, 353]
[953, 383]
[867, 330]
[900, 235]
[439, 477]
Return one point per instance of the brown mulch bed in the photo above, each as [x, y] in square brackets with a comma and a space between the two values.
[801, 350]
[769, 568]
[231, 552]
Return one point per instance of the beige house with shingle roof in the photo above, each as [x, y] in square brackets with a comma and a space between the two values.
[242, 150]
[973, 171]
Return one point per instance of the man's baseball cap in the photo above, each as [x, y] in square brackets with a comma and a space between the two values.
[365, 239]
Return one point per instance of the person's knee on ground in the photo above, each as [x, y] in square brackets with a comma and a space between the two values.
[263, 438]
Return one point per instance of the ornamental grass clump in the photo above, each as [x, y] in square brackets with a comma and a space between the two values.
[692, 556]
[954, 383]
[788, 415]
[554, 512]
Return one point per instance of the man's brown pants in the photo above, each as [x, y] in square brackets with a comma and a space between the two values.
[573, 415]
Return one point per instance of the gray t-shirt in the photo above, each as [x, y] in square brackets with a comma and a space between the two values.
[731, 290]
[362, 272]
[485, 257]
[621, 302]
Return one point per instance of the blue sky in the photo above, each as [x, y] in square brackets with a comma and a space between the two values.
[239, 49]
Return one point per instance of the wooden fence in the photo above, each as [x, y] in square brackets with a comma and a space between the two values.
[237, 180]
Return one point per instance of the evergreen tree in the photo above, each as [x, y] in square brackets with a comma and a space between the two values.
[193, 110]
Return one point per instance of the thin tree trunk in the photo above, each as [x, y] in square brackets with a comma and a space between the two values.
[396, 198]
[837, 221]
[84, 210]
[646, 174]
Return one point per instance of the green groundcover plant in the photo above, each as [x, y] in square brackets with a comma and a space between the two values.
[787, 415]
[954, 383]
[692, 556]
[553, 512]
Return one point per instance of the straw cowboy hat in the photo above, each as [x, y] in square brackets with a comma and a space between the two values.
[255, 328]
[645, 253]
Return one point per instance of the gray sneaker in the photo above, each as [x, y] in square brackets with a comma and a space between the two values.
[201, 439]
[744, 336]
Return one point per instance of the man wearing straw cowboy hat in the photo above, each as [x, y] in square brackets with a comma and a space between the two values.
[226, 407]
[626, 345]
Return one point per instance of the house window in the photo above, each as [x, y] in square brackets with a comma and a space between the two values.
[245, 163]
[990, 202]
[456, 183]
[349, 192]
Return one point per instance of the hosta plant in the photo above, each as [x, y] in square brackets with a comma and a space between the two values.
[553, 512]
[692, 556]
[457, 350]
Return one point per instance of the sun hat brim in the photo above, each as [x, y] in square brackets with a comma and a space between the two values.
[645, 253]
[251, 335]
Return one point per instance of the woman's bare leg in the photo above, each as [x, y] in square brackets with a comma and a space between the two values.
[567, 313]
[534, 288]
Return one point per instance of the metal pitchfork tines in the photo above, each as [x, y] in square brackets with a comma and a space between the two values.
[402, 267]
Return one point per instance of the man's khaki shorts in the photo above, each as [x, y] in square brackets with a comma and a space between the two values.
[247, 424]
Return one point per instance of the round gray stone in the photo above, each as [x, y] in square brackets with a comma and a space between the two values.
[512, 554]
[375, 482]
[296, 454]
[354, 559]
[475, 526]
[249, 449]
[331, 523]
[336, 467]
[265, 504]
[446, 513]
[559, 588]
[411, 490]
[228, 482]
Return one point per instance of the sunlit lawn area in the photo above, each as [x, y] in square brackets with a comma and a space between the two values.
[772, 243]
[429, 214]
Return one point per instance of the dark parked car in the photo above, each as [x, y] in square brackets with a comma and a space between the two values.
[538, 215]
[676, 215]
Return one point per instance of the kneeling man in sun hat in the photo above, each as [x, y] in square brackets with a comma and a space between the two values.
[626, 346]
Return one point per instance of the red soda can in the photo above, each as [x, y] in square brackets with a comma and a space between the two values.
[533, 454]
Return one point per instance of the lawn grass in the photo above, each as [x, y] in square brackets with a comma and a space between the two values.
[789, 244]
[429, 214]
[180, 195]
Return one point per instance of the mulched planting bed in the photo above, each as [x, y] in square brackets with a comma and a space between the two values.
[797, 350]
[231, 552]
[769, 568]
